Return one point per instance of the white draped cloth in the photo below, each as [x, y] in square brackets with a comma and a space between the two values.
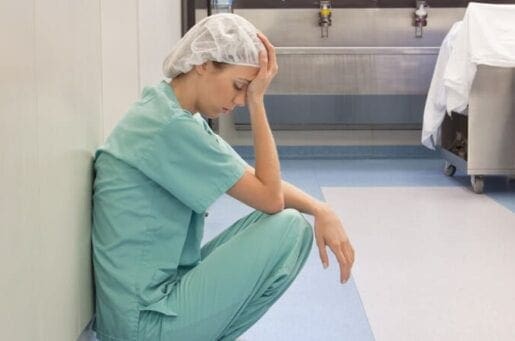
[434, 111]
[485, 36]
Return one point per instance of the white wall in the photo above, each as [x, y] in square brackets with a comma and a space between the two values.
[68, 72]
[136, 37]
[159, 30]
[50, 122]
[119, 58]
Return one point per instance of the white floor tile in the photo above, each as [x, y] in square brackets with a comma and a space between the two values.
[433, 263]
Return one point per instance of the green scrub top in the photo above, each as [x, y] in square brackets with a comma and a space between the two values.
[156, 175]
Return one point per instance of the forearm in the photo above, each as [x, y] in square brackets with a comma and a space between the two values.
[295, 198]
[267, 168]
[301, 201]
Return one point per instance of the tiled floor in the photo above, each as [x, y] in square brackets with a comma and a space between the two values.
[435, 263]
[317, 307]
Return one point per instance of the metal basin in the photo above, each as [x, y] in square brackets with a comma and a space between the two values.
[354, 70]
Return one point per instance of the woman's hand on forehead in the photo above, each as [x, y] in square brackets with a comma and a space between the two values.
[268, 70]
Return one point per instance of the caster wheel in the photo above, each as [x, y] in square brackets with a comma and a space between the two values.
[449, 169]
[478, 183]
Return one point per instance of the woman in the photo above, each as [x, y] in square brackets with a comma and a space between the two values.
[159, 171]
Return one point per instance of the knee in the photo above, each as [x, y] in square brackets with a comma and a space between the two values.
[293, 234]
[290, 214]
[296, 222]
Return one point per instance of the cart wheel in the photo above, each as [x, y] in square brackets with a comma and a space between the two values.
[478, 183]
[449, 169]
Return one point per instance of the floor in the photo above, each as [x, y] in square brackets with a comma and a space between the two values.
[435, 263]
[394, 306]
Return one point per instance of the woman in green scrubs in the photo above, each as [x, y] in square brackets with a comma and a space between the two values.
[163, 166]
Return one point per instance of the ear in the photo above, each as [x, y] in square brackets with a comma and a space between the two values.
[201, 69]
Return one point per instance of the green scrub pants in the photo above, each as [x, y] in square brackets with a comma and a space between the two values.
[243, 271]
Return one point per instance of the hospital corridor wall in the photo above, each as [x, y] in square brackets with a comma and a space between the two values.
[68, 71]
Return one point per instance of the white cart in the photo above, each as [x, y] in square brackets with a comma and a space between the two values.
[482, 142]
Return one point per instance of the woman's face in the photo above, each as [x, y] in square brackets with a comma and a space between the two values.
[221, 88]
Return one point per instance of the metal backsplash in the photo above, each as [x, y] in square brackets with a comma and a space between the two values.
[370, 55]
[352, 26]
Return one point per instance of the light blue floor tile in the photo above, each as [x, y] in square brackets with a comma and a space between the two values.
[316, 306]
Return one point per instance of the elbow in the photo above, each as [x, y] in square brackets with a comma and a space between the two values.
[275, 205]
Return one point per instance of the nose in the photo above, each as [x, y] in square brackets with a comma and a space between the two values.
[239, 99]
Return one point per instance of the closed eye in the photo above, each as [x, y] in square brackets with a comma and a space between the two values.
[238, 87]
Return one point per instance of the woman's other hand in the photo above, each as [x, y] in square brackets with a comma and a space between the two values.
[329, 232]
[268, 69]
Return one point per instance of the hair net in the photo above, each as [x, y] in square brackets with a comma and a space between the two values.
[225, 38]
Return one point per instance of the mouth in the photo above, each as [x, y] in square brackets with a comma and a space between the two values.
[226, 110]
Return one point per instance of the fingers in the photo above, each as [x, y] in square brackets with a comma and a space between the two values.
[349, 252]
[344, 264]
[344, 253]
[263, 63]
[322, 252]
[345, 259]
[263, 40]
[267, 69]
[272, 59]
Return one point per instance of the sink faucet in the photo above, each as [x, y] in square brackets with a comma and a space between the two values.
[324, 15]
[420, 17]
[221, 6]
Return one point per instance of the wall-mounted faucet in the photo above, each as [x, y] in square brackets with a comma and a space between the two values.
[420, 17]
[221, 6]
[324, 17]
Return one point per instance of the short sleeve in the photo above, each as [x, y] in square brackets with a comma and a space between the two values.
[191, 163]
[231, 150]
